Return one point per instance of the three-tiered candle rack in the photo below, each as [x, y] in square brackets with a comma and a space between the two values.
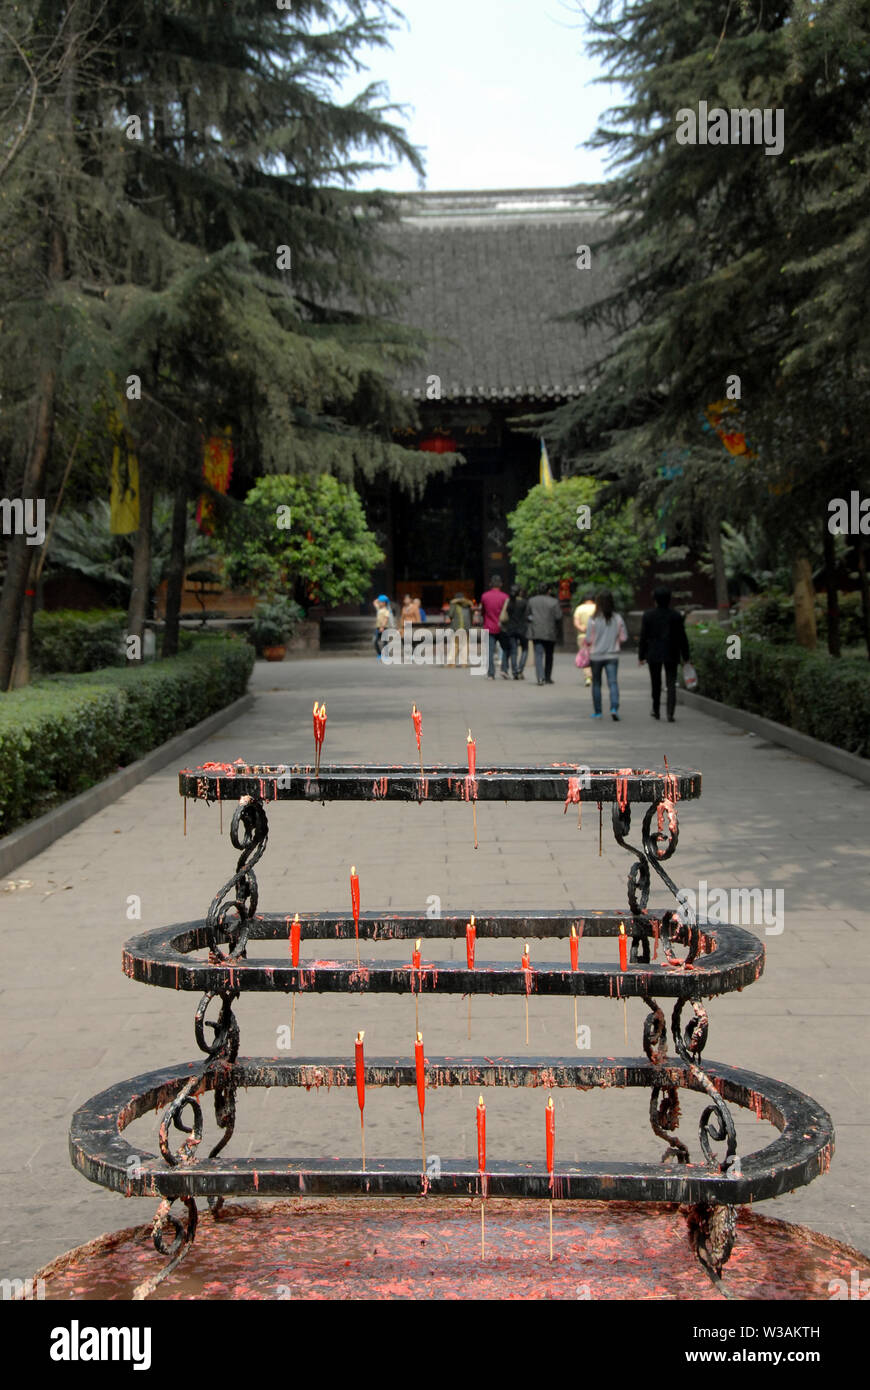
[673, 956]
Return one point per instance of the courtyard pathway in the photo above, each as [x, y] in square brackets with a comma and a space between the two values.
[72, 1023]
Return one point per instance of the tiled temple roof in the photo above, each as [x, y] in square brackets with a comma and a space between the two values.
[486, 276]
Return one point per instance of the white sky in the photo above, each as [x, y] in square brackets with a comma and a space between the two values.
[498, 93]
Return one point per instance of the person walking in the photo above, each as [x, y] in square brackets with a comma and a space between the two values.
[663, 643]
[545, 614]
[605, 633]
[493, 601]
[410, 611]
[582, 613]
[459, 618]
[383, 621]
[514, 623]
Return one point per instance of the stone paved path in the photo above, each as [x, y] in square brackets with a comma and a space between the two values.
[72, 1024]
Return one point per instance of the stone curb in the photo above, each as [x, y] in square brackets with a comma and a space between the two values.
[38, 834]
[825, 753]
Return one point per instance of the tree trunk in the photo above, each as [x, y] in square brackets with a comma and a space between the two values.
[831, 589]
[717, 555]
[175, 574]
[141, 583]
[20, 554]
[865, 588]
[21, 666]
[804, 600]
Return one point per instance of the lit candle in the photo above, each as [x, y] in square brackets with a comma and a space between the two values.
[481, 1167]
[623, 965]
[319, 719]
[295, 931]
[470, 940]
[526, 968]
[417, 717]
[471, 748]
[360, 1064]
[294, 959]
[354, 902]
[420, 1070]
[551, 1155]
[415, 965]
[551, 1137]
[574, 944]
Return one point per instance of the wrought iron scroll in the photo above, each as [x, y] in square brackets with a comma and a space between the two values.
[230, 920]
[664, 1102]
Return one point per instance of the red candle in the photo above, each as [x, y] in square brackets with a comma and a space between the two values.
[420, 1068]
[551, 1138]
[481, 1135]
[525, 957]
[294, 940]
[470, 939]
[471, 748]
[319, 718]
[354, 901]
[623, 947]
[575, 948]
[415, 955]
[360, 1072]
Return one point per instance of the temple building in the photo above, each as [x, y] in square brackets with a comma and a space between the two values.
[486, 277]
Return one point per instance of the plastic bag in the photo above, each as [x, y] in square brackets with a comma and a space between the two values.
[690, 676]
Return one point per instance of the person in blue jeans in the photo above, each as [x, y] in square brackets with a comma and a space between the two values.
[605, 634]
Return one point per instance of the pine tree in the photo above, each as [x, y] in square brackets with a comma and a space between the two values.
[700, 235]
[199, 173]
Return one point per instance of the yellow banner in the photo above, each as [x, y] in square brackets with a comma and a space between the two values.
[124, 495]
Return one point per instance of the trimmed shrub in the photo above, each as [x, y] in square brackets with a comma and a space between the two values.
[63, 734]
[807, 691]
[771, 616]
[67, 640]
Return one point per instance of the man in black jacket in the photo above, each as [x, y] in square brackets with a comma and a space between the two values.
[663, 642]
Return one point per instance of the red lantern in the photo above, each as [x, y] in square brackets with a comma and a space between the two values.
[438, 444]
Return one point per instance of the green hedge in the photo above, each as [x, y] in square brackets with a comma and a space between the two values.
[63, 734]
[67, 640]
[808, 691]
[771, 616]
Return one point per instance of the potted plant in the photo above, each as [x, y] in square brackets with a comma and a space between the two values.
[272, 623]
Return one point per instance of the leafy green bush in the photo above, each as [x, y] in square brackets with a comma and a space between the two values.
[63, 734]
[273, 623]
[547, 545]
[851, 620]
[808, 691]
[67, 640]
[300, 536]
[771, 616]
